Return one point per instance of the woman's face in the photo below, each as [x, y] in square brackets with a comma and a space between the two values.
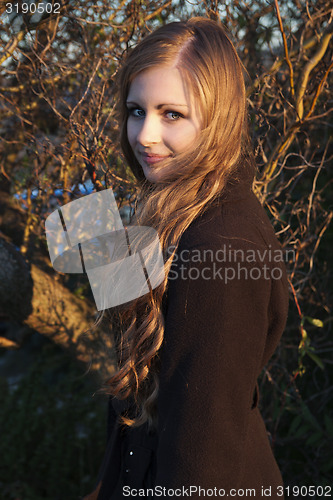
[163, 119]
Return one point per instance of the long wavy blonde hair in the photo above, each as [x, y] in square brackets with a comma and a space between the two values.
[213, 73]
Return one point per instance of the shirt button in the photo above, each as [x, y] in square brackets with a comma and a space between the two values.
[131, 452]
[127, 471]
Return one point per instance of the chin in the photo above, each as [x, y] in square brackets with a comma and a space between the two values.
[151, 175]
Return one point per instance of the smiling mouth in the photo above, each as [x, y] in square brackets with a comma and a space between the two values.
[151, 159]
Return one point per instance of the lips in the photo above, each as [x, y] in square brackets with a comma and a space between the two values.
[151, 159]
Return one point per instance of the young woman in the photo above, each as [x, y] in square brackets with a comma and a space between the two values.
[183, 417]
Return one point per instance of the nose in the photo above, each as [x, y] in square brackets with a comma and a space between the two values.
[149, 132]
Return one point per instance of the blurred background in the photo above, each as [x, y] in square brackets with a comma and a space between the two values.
[59, 142]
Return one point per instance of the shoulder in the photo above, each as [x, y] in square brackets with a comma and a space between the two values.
[239, 221]
[237, 238]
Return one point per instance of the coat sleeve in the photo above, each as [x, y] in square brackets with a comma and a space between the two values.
[214, 342]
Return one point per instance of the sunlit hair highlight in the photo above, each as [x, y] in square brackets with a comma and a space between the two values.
[213, 74]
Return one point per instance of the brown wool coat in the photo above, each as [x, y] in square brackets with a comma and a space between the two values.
[218, 337]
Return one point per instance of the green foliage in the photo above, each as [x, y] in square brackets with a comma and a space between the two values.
[52, 431]
[297, 408]
[304, 450]
[305, 347]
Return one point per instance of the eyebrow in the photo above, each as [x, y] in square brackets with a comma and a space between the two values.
[159, 106]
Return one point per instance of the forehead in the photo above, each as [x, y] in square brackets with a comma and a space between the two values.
[160, 82]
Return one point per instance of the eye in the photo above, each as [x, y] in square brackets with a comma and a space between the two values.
[136, 112]
[174, 115]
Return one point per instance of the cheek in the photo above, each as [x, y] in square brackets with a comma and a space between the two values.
[131, 133]
[182, 139]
